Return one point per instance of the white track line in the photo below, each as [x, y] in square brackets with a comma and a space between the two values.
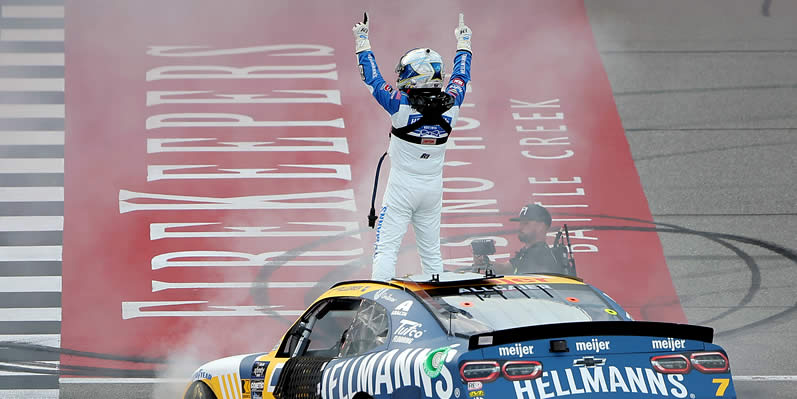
[34, 370]
[30, 253]
[32, 110]
[30, 393]
[31, 194]
[53, 340]
[30, 314]
[32, 137]
[66, 380]
[766, 378]
[31, 165]
[32, 11]
[30, 284]
[32, 84]
[32, 35]
[31, 223]
[30, 59]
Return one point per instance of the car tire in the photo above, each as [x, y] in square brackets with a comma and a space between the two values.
[199, 390]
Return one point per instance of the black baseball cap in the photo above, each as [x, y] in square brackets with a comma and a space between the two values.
[533, 212]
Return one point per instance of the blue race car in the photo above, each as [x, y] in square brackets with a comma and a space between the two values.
[468, 335]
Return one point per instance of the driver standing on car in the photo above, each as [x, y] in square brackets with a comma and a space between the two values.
[422, 110]
[535, 256]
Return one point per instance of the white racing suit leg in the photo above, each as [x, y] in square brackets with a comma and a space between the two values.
[391, 225]
[426, 222]
[415, 198]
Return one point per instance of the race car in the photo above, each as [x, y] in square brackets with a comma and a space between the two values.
[472, 336]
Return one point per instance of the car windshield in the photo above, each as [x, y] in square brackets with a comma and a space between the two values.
[482, 309]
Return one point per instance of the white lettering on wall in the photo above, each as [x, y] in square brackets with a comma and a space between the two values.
[454, 143]
[567, 154]
[132, 310]
[479, 184]
[536, 116]
[305, 50]
[466, 205]
[158, 231]
[579, 191]
[221, 258]
[469, 123]
[276, 201]
[519, 128]
[337, 144]
[158, 172]
[525, 104]
[227, 120]
[534, 180]
[197, 97]
[541, 141]
[252, 72]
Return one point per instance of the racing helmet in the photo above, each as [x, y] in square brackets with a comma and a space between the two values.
[420, 68]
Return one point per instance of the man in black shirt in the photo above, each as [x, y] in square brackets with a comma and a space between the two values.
[536, 256]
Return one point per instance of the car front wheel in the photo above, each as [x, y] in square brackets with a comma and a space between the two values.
[199, 390]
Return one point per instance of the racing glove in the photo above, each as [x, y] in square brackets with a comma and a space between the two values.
[360, 31]
[463, 34]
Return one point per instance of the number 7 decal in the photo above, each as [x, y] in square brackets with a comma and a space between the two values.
[723, 385]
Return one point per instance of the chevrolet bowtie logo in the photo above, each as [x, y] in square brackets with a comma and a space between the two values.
[589, 361]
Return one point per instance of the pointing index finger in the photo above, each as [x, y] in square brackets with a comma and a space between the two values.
[461, 19]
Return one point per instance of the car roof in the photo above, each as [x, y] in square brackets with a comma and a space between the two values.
[422, 282]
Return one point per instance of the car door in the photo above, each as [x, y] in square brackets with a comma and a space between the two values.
[311, 342]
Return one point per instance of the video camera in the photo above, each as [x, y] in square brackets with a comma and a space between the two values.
[563, 252]
[484, 246]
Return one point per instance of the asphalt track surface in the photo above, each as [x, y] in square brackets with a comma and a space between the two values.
[706, 92]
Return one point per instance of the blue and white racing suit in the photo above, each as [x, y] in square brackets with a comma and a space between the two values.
[414, 190]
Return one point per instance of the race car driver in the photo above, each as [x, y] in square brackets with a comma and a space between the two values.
[422, 113]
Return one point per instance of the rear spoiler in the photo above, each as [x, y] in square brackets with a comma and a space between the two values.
[561, 330]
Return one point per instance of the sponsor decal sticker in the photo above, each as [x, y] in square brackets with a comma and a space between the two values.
[518, 350]
[670, 343]
[259, 369]
[407, 332]
[385, 295]
[473, 394]
[380, 373]
[435, 361]
[595, 345]
[352, 288]
[402, 309]
[257, 385]
[372, 63]
[428, 141]
[201, 375]
[362, 71]
[474, 385]
[589, 361]
[458, 82]
[602, 380]
[379, 229]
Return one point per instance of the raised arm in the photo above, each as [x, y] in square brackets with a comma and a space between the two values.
[460, 75]
[387, 96]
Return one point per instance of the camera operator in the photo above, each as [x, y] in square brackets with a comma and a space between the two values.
[536, 256]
